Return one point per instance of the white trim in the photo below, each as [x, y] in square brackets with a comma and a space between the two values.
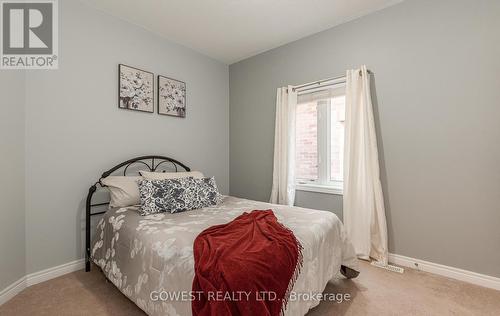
[54, 272]
[38, 277]
[447, 271]
[323, 184]
[12, 290]
[311, 187]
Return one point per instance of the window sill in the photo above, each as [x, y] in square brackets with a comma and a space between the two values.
[319, 189]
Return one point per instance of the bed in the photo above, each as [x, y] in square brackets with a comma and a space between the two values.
[150, 258]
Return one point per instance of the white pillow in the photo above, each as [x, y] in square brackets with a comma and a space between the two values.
[170, 175]
[124, 191]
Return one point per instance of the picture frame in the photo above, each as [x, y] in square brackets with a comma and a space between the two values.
[135, 89]
[171, 97]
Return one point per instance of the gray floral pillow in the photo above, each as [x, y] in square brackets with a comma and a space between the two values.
[177, 195]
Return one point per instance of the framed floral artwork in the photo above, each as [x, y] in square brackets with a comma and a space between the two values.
[136, 89]
[171, 97]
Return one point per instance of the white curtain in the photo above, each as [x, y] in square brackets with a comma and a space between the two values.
[283, 190]
[364, 211]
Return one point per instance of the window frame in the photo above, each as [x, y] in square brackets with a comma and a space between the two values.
[323, 184]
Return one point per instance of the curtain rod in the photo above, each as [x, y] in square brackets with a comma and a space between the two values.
[324, 80]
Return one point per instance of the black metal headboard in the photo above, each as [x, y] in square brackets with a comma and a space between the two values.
[152, 163]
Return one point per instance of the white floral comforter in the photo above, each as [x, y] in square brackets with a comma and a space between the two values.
[142, 255]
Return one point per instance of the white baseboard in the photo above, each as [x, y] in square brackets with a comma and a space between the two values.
[38, 277]
[450, 272]
[12, 290]
[54, 272]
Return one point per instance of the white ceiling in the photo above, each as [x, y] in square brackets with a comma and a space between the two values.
[232, 30]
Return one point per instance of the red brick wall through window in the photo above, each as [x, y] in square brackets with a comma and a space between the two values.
[306, 145]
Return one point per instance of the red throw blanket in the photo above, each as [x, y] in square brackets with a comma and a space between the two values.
[245, 267]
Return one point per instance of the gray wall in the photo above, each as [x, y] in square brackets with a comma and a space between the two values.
[12, 229]
[320, 201]
[437, 82]
[74, 129]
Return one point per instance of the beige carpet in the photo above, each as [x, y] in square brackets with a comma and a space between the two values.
[374, 292]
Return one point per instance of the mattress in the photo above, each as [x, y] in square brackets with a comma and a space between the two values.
[150, 258]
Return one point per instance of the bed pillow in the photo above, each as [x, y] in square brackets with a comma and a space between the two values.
[153, 196]
[124, 191]
[170, 175]
[194, 194]
[177, 195]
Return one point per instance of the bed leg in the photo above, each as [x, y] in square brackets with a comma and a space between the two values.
[92, 189]
[348, 272]
[87, 265]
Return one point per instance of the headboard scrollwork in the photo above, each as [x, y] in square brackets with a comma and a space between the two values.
[156, 162]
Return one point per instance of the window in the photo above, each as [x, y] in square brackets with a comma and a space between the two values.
[320, 139]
